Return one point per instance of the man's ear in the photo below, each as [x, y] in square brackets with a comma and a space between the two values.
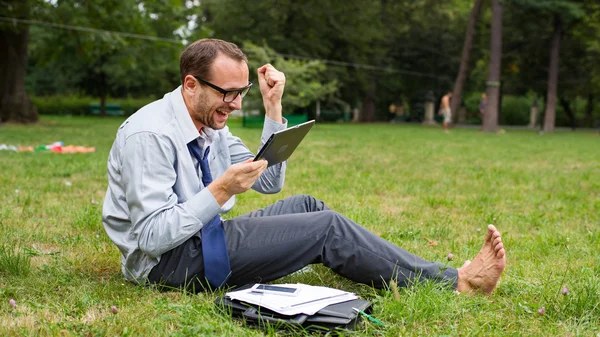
[190, 84]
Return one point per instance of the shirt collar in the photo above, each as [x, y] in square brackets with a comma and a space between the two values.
[186, 124]
[209, 133]
[182, 115]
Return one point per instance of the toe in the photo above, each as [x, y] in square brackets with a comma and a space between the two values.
[488, 235]
[501, 253]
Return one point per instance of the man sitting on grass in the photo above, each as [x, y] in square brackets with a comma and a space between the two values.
[174, 167]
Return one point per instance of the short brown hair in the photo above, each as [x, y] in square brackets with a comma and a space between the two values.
[199, 56]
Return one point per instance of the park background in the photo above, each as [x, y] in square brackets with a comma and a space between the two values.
[72, 71]
[380, 60]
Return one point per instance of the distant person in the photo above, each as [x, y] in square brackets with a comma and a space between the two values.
[534, 114]
[445, 110]
[482, 104]
[175, 167]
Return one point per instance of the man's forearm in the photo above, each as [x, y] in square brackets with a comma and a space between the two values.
[274, 112]
[219, 192]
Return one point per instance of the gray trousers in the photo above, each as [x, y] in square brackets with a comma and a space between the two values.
[282, 238]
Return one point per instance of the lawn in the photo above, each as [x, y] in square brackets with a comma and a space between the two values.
[429, 192]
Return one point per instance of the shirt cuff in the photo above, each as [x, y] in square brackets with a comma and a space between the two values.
[269, 123]
[270, 127]
[203, 206]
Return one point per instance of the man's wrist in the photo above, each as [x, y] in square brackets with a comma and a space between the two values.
[274, 111]
[219, 192]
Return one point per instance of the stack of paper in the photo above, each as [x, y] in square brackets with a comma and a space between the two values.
[309, 300]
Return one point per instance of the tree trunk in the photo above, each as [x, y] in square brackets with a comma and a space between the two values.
[490, 118]
[15, 105]
[102, 105]
[368, 113]
[550, 114]
[589, 111]
[500, 97]
[463, 71]
[567, 107]
[102, 91]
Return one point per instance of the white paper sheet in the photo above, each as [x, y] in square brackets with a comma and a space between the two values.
[309, 300]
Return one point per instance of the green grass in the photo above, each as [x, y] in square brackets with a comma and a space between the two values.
[409, 184]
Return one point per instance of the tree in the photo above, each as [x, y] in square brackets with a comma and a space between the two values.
[550, 113]
[588, 34]
[579, 70]
[562, 11]
[463, 71]
[352, 34]
[564, 15]
[109, 48]
[424, 52]
[15, 104]
[490, 118]
[305, 82]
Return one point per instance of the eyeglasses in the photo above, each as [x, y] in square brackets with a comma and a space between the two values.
[228, 95]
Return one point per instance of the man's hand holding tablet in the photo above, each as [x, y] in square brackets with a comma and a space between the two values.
[280, 146]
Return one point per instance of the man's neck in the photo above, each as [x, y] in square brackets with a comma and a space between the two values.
[188, 106]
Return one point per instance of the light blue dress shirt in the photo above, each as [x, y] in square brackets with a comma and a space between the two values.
[155, 199]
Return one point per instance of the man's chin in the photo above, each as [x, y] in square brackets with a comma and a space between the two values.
[218, 126]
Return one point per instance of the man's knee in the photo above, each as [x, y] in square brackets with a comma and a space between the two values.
[337, 223]
[310, 203]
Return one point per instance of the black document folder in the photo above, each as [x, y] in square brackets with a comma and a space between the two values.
[335, 316]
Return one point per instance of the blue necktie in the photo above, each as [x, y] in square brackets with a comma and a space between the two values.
[214, 247]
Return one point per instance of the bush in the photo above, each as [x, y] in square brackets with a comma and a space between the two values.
[62, 105]
[471, 101]
[131, 105]
[515, 110]
[80, 105]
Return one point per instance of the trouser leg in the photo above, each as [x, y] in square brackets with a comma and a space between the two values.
[301, 203]
[285, 237]
[280, 239]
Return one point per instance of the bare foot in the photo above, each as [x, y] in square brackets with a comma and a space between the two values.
[483, 273]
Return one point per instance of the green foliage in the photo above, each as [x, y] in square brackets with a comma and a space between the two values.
[62, 105]
[94, 56]
[515, 110]
[305, 82]
[390, 49]
[568, 9]
[362, 40]
[578, 106]
[586, 35]
[80, 105]
[527, 40]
